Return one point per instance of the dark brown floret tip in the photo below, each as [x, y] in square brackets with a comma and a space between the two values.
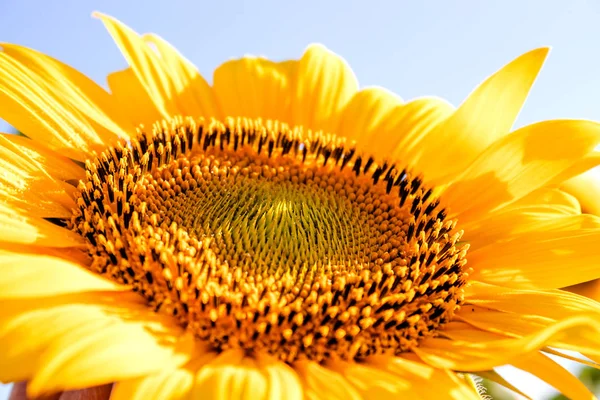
[258, 236]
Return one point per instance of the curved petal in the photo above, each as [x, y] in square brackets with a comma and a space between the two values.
[518, 164]
[93, 101]
[232, 375]
[37, 156]
[554, 374]
[40, 110]
[16, 226]
[255, 87]
[496, 378]
[544, 208]
[67, 342]
[403, 133]
[146, 64]
[28, 275]
[174, 384]
[586, 188]
[129, 94]
[554, 304]
[27, 181]
[584, 164]
[373, 383]
[448, 385]
[481, 355]
[196, 96]
[324, 84]
[563, 253]
[365, 113]
[485, 116]
[321, 383]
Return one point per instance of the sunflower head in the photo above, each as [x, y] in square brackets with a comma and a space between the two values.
[283, 234]
[260, 237]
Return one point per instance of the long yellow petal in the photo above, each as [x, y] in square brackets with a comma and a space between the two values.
[485, 116]
[518, 164]
[29, 179]
[255, 87]
[196, 96]
[146, 64]
[472, 355]
[27, 275]
[554, 374]
[363, 116]
[537, 211]
[562, 254]
[321, 383]
[40, 110]
[17, 226]
[555, 304]
[448, 385]
[586, 188]
[232, 375]
[36, 156]
[129, 94]
[374, 383]
[77, 89]
[174, 384]
[324, 84]
[66, 342]
[496, 378]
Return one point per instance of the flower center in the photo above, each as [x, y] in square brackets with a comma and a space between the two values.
[257, 236]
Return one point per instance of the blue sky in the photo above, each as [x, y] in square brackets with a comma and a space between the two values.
[413, 48]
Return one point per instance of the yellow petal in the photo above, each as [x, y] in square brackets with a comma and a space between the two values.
[518, 164]
[404, 133]
[363, 116]
[554, 374]
[174, 384]
[563, 254]
[81, 340]
[495, 377]
[233, 375]
[580, 359]
[485, 116]
[321, 383]
[146, 64]
[324, 85]
[17, 226]
[255, 87]
[584, 164]
[448, 385]
[30, 275]
[29, 326]
[75, 255]
[129, 94]
[38, 109]
[481, 355]
[37, 156]
[484, 326]
[374, 383]
[555, 304]
[586, 188]
[196, 97]
[28, 183]
[537, 211]
[77, 89]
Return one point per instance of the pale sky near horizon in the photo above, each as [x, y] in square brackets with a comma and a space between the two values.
[413, 48]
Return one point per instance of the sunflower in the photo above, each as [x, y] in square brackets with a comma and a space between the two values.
[283, 233]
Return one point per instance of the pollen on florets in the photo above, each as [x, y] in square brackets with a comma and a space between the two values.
[258, 236]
